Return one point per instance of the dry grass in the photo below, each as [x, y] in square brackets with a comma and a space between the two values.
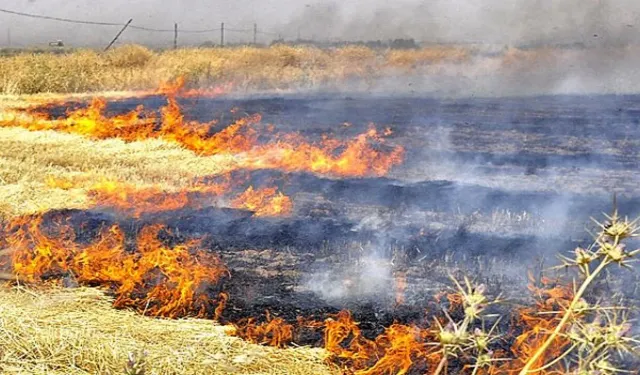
[250, 68]
[27, 159]
[76, 331]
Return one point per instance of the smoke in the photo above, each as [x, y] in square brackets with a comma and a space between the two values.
[367, 277]
[593, 22]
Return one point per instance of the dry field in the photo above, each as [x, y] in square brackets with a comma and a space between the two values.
[275, 68]
[108, 217]
[76, 331]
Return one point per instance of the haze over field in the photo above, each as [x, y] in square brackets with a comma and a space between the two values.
[490, 21]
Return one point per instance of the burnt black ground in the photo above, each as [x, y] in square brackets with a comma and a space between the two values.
[491, 187]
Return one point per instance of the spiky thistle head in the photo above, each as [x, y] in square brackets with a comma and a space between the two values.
[607, 333]
[616, 227]
[615, 252]
[474, 299]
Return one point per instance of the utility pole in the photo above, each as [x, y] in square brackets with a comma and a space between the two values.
[255, 34]
[118, 36]
[175, 36]
[222, 34]
[9, 37]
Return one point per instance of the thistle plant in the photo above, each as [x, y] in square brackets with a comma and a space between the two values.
[460, 338]
[606, 332]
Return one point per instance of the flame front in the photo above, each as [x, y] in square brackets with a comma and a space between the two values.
[154, 279]
[360, 156]
[274, 332]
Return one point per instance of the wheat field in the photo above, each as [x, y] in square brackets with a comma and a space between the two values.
[135, 67]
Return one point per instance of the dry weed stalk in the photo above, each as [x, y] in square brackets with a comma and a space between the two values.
[593, 341]
[456, 339]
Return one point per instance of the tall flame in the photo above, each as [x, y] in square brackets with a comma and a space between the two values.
[155, 279]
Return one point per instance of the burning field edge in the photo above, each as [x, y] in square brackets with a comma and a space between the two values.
[243, 215]
[49, 330]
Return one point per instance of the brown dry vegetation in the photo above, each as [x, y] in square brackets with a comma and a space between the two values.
[27, 159]
[275, 68]
[76, 331]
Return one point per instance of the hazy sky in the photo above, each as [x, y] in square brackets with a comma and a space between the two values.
[512, 21]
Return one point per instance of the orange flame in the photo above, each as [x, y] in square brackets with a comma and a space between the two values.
[156, 279]
[538, 322]
[177, 88]
[395, 351]
[401, 287]
[59, 183]
[274, 332]
[359, 156]
[264, 202]
[355, 157]
[136, 201]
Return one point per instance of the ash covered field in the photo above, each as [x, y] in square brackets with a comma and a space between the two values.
[489, 185]
[490, 188]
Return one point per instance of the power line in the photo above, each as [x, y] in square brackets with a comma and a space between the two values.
[132, 26]
[68, 20]
[200, 31]
[239, 30]
[267, 33]
[204, 31]
[59, 19]
[151, 29]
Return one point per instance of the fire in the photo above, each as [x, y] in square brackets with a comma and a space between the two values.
[396, 351]
[177, 88]
[274, 332]
[158, 280]
[59, 183]
[90, 121]
[401, 287]
[236, 138]
[136, 201]
[538, 322]
[356, 157]
[264, 202]
[361, 156]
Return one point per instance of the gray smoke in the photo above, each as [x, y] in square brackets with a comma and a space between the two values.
[488, 21]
